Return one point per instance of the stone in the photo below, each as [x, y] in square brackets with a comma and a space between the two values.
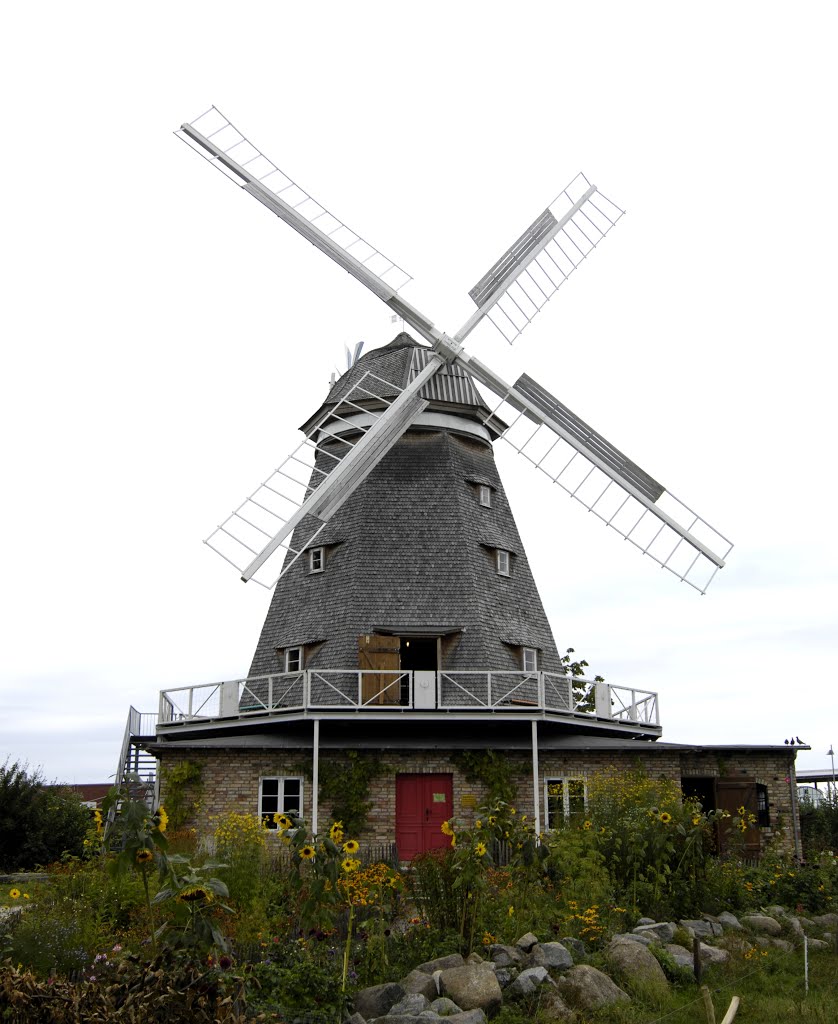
[527, 982]
[410, 1005]
[646, 920]
[406, 1018]
[418, 981]
[526, 942]
[442, 963]
[784, 944]
[376, 1001]
[355, 1018]
[475, 958]
[703, 929]
[635, 964]
[505, 956]
[763, 924]
[575, 946]
[806, 923]
[829, 921]
[444, 1006]
[472, 987]
[645, 940]
[662, 932]
[712, 954]
[730, 921]
[680, 954]
[505, 975]
[587, 988]
[468, 1017]
[551, 955]
[551, 1006]
[818, 944]
[775, 911]
[795, 925]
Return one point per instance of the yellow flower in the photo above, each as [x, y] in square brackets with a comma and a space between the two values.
[26, 894]
[351, 846]
[162, 818]
[307, 852]
[193, 893]
[492, 819]
[14, 893]
[510, 912]
[349, 865]
[741, 812]
[480, 849]
[696, 819]
[336, 832]
[144, 856]
[478, 824]
[665, 817]
[446, 829]
[587, 825]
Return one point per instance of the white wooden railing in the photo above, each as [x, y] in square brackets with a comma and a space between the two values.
[352, 690]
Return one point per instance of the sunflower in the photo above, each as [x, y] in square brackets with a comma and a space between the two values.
[696, 819]
[351, 846]
[349, 864]
[480, 849]
[446, 829]
[587, 825]
[741, 811]
[307, 853]
[282, 821]
[478, 824]
[14, 893]
[193, 893]
[336, 832]
[665, 817]
[161, 818]
[144, 856]
[492, 819]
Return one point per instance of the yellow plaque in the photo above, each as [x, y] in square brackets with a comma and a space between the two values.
[469, 800]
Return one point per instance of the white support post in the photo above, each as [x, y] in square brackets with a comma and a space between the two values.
[315, 776]
[536, 802]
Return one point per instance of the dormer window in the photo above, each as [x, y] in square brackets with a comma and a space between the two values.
[293, 659]
[502, 562]
[316, 559]
[485, 493]
[529, 659]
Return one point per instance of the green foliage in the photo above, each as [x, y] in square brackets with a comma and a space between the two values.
[184, 788]
[38, 823]
[819, 828]
[193, 894]
[345, 787]
[490, 767]
[241, 843]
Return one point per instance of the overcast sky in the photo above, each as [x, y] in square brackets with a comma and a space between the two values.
[164, 335]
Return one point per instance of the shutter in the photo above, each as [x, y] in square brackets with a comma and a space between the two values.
[378, 653]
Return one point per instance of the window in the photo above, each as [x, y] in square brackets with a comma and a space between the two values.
[316, 560]
[502, 562]
[293, 659]
[529, 658]
[763, 815]
[563, 797]
[485, 495]
[280, 795]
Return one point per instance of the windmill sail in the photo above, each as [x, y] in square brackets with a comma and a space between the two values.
[532, 270]
[339, 452]
[597, 474]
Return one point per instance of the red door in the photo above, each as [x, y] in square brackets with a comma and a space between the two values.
[423, 802]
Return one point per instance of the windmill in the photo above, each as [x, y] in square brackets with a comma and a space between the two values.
[286, 514]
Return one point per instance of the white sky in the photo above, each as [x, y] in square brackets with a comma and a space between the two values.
[164, 335]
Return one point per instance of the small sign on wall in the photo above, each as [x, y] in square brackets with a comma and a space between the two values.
[469, 800]
[439, 798]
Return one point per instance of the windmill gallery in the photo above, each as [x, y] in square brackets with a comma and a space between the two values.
[405, 627]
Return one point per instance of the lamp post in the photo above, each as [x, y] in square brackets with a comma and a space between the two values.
[831, 755]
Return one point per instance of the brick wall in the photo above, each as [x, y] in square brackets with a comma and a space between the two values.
[230, 781]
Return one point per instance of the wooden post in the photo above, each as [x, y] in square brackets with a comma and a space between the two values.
[697, 958]
[708, 1004]
[731, 1011]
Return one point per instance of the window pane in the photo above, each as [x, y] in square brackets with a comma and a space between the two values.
[270, 787]
[575, 796]
[555, 803]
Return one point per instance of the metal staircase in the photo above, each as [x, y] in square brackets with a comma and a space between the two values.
[134, 761]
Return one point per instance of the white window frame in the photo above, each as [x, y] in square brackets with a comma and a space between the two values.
[316, 559]
[564, 781]
[293, 654]
[280, 798]
[503, 562]
[529, 659]
[485, 492]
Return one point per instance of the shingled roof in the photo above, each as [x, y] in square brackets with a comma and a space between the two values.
[412, 550]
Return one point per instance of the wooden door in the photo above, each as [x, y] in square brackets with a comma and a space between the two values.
[423, 803]
[731, 795]
[379, 653]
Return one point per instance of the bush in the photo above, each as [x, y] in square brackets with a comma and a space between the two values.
[38, 823]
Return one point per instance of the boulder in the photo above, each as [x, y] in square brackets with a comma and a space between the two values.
[818, 944]
[526, 942]
[527, 982]
[587, 988]
[646, 920]
[505, 956]
[406, 1018]
[703, 929]
[645, 940]
[635, 964]
[418, 981]
[441, 963]
[763, 924]
[683, 957]
[506, 975]
[712, 954]
[355, 1018]
[575, 947]
[468, 1017]
[410, 1005]
[661, 932]
[475, 958]
[730, 921]
[775, 911]
[551, 955]
[795, 925]
[784, 944]
[551, 1006]
[829, 921]
[377, 1000]
[444, 1006]
[472, 987]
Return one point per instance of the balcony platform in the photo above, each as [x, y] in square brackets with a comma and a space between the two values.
[390, 696]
